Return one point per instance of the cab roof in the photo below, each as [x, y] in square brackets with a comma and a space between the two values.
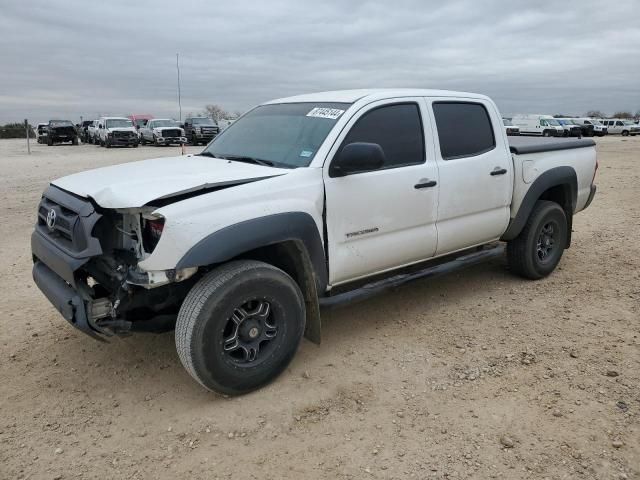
[372, 94]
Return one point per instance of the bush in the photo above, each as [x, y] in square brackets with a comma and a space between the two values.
[15, 130]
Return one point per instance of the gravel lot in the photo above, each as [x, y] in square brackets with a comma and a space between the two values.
[478, 374]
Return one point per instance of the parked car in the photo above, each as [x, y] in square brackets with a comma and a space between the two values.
[509, 127]
[543, 125]
[83, 130]
[60, 131]
[200, 129]
[162, 131]
[620, 126]
[592, 126]
[41, 132]
[117, 131]
[240, 244]
[570, 127]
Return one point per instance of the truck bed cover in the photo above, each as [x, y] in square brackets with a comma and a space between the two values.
[522, 144]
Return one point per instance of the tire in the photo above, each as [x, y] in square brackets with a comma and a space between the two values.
[206, 324]
[50, 142]
[625, 133]
[536, 252]
[74, 141]
[107, 143]
[194, 140]
[546, 133]
[155, 141]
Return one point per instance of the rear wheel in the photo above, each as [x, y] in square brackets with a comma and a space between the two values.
[240, 326]
[536, 252]
[546, 133]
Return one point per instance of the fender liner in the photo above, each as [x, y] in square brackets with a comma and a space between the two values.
[558, 176]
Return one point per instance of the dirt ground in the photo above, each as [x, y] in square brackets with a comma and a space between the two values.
[478, 374]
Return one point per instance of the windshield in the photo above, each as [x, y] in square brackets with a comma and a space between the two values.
[60, 123]
[628, 122]
[552, 121]
[202, 121]
[164, 123]
[286, 134]
[140, 122]
[119, 123]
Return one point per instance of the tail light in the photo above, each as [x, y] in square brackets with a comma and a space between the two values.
[152, 232]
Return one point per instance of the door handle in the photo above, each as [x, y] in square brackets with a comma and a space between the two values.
[425, 184]
[498, 171]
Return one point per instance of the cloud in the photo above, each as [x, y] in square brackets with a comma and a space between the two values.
[88, 58]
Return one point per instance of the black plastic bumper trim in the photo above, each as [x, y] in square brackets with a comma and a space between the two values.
[64, 298]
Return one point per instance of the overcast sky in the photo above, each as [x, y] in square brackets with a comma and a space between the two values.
[72, 58]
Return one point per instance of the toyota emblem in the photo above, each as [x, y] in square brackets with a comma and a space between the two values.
[51, 219]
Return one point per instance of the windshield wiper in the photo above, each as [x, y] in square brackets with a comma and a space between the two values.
[207, 154]
[257, 161]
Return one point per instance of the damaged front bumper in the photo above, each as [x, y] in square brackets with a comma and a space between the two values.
[97, 291]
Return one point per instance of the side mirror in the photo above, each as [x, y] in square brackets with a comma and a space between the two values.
[357, 157]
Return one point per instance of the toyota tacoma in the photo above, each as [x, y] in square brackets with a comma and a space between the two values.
[303, 202]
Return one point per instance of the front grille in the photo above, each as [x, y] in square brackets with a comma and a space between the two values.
[67, 221]
[118, 134]
[171, 132]
[209, 130]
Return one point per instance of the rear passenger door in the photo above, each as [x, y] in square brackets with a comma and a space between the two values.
[382, 219]
[475, 170]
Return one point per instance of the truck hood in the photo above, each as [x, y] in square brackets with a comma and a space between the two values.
[133, 185]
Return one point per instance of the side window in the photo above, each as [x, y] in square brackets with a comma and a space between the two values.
[464, 129]
[544, 123]
[618, 123]
[397, 129]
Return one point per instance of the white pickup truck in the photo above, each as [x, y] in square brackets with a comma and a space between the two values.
[302, 202]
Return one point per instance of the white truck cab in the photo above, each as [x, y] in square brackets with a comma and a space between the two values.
[543, 125]
[116, 131]
[162, 131]
[298, 204]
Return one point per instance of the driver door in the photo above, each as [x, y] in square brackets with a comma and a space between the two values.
[383, 219]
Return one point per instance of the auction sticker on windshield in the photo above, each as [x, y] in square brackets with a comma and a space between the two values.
[330, 113]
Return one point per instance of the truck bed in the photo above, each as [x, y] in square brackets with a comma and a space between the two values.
[523, 144]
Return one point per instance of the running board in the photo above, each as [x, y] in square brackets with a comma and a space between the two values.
[371, 289]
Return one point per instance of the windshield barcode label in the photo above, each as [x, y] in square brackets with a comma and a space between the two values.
[330, 113]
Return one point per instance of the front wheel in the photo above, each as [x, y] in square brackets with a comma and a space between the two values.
[240, 326]
[625, 133]
[536, 252]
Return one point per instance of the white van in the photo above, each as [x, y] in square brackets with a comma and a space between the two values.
[534, 124]
[621, 126]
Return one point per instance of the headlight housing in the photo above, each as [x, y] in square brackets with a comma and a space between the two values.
[152, 228]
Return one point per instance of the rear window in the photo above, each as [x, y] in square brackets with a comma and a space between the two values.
[464, 129]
